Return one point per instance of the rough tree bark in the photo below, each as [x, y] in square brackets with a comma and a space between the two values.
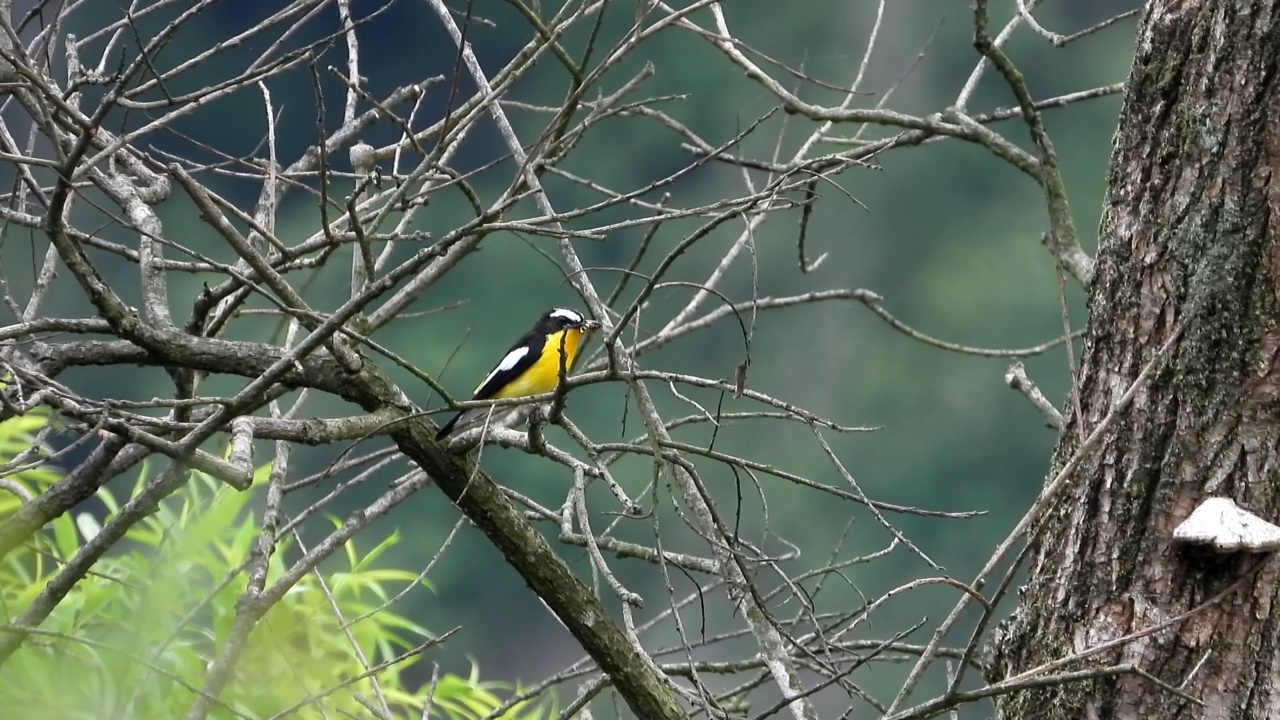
[1190, 240]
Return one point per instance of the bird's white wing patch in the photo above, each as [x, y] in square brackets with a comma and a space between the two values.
[572, 316]
[507, 363]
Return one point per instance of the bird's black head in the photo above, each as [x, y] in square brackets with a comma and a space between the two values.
[557, 319]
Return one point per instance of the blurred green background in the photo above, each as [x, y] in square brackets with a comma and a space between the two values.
[947, 234]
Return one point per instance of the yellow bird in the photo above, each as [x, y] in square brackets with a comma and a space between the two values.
[532, 365]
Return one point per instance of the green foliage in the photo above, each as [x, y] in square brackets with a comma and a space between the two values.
[135, 636]
[16, 437]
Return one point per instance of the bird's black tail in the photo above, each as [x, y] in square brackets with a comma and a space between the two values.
[448, 427]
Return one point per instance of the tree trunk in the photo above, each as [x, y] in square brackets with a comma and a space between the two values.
[1190, 240]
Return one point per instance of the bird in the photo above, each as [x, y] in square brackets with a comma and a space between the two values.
[533, 364]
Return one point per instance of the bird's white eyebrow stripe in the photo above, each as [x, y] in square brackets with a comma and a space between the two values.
[566, 314]
[506, 364]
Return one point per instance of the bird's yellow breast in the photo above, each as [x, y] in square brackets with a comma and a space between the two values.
[544, 374]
